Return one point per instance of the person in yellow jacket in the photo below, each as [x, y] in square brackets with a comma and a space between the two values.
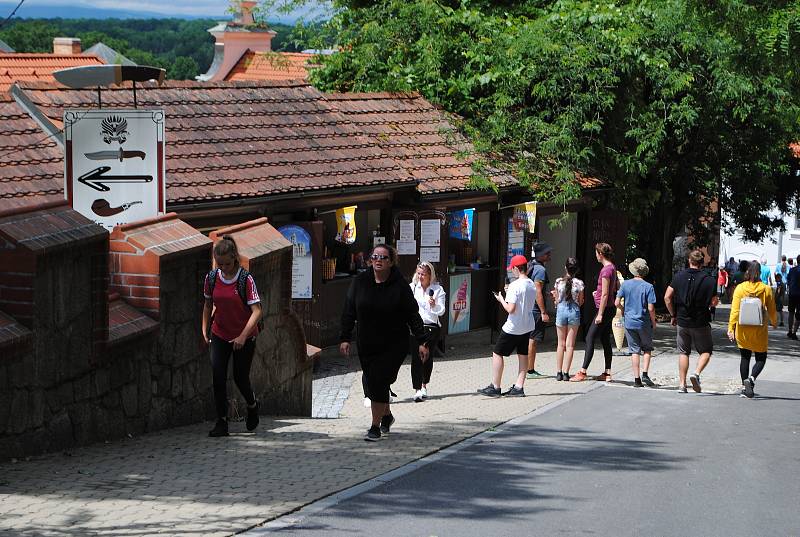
[752, 339]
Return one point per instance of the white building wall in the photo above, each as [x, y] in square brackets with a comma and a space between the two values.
[772, 246]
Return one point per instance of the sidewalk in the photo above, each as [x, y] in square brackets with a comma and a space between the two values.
[180, 482]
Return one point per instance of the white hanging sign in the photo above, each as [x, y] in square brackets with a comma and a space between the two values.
[114, 164]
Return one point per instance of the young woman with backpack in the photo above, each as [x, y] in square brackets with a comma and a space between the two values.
[568, 296]
[231, 292]
[748, 324]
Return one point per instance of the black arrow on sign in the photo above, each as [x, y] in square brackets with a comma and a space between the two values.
[96, 179]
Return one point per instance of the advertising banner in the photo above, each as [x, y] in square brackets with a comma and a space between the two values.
[346, 224]
[460, 224]
[525, 217]
[516, 243]
[302, 262]
[460, 291]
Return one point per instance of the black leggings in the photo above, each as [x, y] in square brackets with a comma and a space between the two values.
[421, 372]
[221, 351]
[744, 364]
[603, 331]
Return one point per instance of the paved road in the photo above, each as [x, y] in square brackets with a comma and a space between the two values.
[616, 461]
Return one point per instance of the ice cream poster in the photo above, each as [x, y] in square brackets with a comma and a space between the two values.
[346, 224]
[524, 218]
[460, 291]
[302, 263]
[461, 224]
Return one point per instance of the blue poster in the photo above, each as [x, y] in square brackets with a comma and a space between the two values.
[302, 263]
[458, 311]
[460, 224]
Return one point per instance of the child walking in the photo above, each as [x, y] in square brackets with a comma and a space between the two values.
[639, 299]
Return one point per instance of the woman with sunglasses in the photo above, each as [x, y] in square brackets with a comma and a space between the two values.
[382, 303]
[431, 300]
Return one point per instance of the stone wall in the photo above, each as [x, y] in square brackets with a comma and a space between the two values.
[80, 365]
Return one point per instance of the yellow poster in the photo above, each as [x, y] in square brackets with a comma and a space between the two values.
[524, 218]
[346, 224]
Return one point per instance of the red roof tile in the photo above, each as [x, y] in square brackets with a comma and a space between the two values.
[243, 139]
[422, 138]
[272, 66]
[31, 163]
[38, 67]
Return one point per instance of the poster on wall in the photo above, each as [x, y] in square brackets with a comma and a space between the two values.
[516, 243]
[429, 233]
[429, 254]
[460, 224]
[346, 224]
[302, 263]
[525, 217]
[406, 230]
[460, 291]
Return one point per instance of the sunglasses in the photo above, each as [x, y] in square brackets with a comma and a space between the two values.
[376, 257]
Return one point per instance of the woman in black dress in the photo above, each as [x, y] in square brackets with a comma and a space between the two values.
[382, 303]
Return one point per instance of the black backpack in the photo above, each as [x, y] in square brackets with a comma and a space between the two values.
[241, 287]
[692, 285]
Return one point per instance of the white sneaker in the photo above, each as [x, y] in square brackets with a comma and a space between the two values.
[367, 402]
[418, 397]
[424, 391]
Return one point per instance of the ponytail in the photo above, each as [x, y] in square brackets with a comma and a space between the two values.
[227, 246]
[571, 267]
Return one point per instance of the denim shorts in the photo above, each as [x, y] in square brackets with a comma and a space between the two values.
[568, 314]
[640, 339]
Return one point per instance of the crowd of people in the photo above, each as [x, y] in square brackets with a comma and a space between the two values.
[396, 318]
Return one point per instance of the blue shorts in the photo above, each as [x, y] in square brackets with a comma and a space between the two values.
[568, 314]
[640, 339]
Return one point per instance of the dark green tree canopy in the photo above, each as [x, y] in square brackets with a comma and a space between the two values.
[676, 103]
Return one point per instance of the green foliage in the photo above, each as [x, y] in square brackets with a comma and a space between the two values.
[183, 47]
[673, 102]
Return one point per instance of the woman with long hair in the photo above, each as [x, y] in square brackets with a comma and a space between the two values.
[431, 299]
[231, 292]
[568, 297]
[607, 286]
[751, 338]
[381, 302]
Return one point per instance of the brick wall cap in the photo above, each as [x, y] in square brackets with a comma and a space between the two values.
[118, 230]
[219, 233]
[14, 211]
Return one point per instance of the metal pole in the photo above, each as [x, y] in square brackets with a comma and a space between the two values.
[99, 100]
[134, 95]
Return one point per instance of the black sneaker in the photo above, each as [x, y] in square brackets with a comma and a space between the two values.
[373, 435]
[559, 376]
[565, 376]
[513, 391]
[490, 391]
[637, 383]
[647, 381]
[695, 380]
[748, 387]
[220, 429]
[252, 417]
[386, 423]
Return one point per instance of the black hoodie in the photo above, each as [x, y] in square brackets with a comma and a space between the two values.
[384, 311]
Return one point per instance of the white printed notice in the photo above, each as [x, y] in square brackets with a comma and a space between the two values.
[406, 230]
[430, 232]
[407, 247]
[429, 254]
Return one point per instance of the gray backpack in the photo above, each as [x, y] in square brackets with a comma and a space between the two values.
[751, 311]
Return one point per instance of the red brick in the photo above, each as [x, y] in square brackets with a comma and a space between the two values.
[140, 279]
[122, 247]
[16, 295]
[139, 264]
[145, 292]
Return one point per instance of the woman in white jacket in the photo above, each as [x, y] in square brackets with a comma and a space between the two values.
[431, 300]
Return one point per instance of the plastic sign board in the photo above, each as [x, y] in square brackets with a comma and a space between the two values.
[114, 164]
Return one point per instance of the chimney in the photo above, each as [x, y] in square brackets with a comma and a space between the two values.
[246, 12]
[66, 45]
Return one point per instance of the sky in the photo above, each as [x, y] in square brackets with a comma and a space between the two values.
[179, 8]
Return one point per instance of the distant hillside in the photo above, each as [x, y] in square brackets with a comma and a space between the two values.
[182, 46]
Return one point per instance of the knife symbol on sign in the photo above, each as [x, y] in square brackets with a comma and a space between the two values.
[96, 179]
[114, 155]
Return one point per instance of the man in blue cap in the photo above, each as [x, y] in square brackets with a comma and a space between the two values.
[542, 252]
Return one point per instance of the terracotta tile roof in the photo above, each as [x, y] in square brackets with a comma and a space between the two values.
[423, 138]
[38, 67]
[272, 66]
[244, 139]
[31, 164]
[795, 147]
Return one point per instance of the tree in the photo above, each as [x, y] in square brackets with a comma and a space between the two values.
[34, 36]
[183, 68]
[675, 103]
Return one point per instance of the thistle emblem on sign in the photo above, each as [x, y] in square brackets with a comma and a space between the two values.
[114, 129]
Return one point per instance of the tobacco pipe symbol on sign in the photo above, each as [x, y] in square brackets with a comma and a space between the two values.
[97, 179]
[101, 207]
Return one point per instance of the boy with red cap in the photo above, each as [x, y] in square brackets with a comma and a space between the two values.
[518, 302]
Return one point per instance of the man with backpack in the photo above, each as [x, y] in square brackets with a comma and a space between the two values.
[689, 299]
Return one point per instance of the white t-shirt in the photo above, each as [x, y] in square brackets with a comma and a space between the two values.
[521, 292]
